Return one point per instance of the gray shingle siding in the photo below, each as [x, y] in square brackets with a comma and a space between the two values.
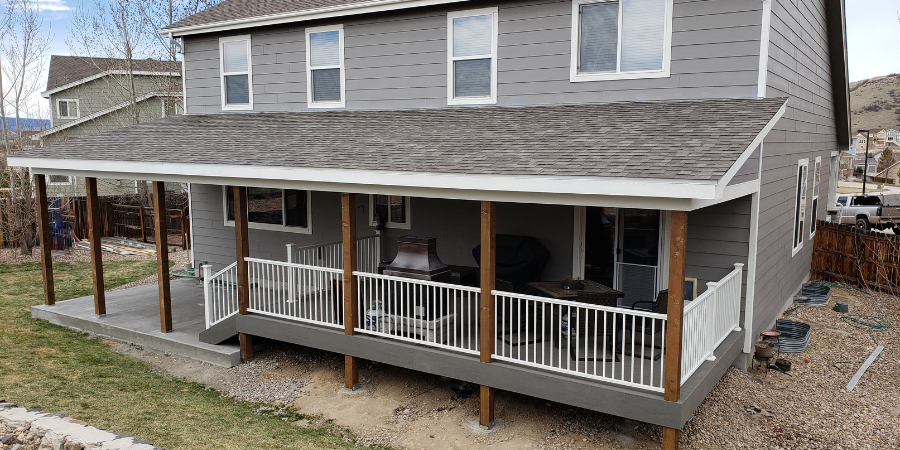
[798, 66]
[399, 60]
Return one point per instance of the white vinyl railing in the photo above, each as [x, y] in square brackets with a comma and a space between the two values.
[331, 254]
[617, 345]
[425, 312]
[220, 293]
[709, 319]
[296, 291]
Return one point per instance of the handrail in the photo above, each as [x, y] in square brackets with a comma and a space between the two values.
[295, 265]
[555, 301]
[458, 287]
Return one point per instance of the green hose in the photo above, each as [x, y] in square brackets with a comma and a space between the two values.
[870, 323]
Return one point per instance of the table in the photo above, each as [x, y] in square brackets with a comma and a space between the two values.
[554, 289]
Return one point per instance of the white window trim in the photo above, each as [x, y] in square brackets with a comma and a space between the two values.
[492, 100]
[70, 182]
[387, 222]
[797, 229]
[269, 226]
[309, 82]
[816, 173]
[165, 101]
[576, 77]
[249, 73]
[77, 108]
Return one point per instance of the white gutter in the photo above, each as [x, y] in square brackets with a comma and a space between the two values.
[304, 15]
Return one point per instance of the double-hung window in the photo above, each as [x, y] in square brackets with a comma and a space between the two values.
[67, 109]
[800, 205]
[392, 209]
[272, 209]
[815, 197]
[472, 57]
[620, 39]
[325, 67]
[237, 78]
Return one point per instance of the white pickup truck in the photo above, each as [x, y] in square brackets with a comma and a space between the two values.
[867, 211]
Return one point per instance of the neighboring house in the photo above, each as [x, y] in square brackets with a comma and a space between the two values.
[877, 135]
[89, 96]
[890, 137]
[889, 175]
[463, 121]
[860, 143]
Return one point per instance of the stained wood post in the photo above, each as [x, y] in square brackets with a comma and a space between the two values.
[488, 263]
[93, 233]
[242, 248]
[162, 256]
[674, 319]
[40, 184]
[351, 305]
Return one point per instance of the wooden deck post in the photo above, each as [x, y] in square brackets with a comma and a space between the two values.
[674, 322]
[40, 184]
[488, 263]
[162, 256]
[93, 233]
[242, 248]
[351, 305]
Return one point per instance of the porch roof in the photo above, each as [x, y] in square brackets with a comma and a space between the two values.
[694, 143]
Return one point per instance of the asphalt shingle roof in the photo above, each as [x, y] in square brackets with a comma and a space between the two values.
[687, 140]
[244, 9]
[69, 69]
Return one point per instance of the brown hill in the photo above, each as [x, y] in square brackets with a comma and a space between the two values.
[875, 103]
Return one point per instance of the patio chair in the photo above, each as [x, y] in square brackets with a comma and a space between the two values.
[512, 323]
[585, 324]
[641, 332]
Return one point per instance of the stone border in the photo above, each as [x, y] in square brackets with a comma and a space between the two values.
[55, 431]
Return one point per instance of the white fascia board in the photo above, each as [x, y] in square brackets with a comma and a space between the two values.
[305, 15]
[730, 193]
[100, 113]
[47, 93]
[757, 141]
[586, 191]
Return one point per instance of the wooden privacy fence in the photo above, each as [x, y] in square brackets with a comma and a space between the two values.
[842, 253]
[130, 221]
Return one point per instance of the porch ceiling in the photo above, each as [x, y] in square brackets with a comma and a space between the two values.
[676, 149]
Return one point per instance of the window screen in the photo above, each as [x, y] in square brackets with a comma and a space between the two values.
[325, 65]
[622, 36]
[599, 37]
[643, 28]
[472, 55]
[236, 72]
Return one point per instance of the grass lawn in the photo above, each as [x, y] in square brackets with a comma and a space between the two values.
[46, 366]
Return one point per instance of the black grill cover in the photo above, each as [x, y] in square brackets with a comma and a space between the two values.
[520, 259]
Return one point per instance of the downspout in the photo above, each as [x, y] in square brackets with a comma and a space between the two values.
[753, 246]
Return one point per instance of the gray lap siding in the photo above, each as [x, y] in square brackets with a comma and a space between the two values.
[799, 68]
[399, 60]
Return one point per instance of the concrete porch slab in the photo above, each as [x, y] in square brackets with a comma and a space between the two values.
[133, 317]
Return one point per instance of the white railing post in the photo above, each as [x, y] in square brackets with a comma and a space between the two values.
[292, 285]
[739, 268]
[207, 302]
[711, 331]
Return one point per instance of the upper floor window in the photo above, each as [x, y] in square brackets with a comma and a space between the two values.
[620, 39]
[325, 67]
[237, 78]
[472, 57]
[67, 109]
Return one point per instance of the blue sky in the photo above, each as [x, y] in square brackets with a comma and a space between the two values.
[873, 33]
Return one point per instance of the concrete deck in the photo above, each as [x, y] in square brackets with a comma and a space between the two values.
[133, 317]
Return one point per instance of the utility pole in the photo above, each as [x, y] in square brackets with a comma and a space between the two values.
[866, 168]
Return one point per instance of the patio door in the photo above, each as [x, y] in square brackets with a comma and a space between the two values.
[620, 247]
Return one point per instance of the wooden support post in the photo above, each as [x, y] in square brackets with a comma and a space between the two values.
[162, 256]
[242, 248]
[488, 263]
[674, 316]
[351, 305]
[40, 184]
[93, 233]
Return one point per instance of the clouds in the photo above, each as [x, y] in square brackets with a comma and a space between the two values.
[51, 5]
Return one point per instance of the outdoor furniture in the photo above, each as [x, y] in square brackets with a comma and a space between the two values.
[510, 322]
[555, 290]
[586, 324]
[635, 327]
[519, 259]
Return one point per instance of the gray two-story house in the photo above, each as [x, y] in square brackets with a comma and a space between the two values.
[614, 197]
[90, 96]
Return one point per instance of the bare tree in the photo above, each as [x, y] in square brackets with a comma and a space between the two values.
[22, 53]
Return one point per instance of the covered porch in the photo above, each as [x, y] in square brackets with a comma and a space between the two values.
[653, 363]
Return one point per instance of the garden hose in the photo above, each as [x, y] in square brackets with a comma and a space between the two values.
[870, 323]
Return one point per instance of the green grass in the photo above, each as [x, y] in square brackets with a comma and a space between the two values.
[46, 366]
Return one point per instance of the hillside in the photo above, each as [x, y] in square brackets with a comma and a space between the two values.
[875, 103]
